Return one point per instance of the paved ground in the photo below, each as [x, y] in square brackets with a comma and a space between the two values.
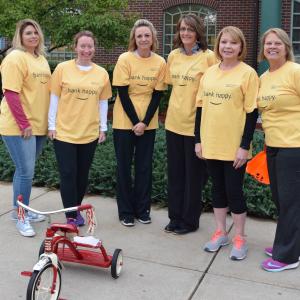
[158, 266]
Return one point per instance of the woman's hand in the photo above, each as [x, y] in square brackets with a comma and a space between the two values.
[139, 128]
[198, 150]
[240, 158]
[27, 132]
[52, 134]
[102, 137]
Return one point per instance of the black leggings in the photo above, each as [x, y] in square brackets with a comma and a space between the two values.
[284, 173]
[227, 185]
[74, 161]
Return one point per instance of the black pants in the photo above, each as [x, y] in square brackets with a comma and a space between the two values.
[186, 178]
[227, 185]
[134, 199]
[74, 161]
[284, 173]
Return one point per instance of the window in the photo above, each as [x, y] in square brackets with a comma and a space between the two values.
[295, 32]
[172, 16]
[3, 43]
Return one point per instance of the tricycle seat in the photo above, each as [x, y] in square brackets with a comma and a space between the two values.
[64, 227]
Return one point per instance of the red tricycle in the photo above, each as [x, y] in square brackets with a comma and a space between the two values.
[63, 243]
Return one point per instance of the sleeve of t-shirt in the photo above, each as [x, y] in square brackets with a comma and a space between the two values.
[106, 91]
[168, 79]
[121, 72]
[250, 91]
[297, 81]
[13, 71]
[212, 59]
[56, 80]
[160, 85]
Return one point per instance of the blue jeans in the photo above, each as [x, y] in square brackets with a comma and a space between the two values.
[23, 153]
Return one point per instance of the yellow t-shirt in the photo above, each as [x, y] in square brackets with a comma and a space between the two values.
[225, 97]
[142, 75]
[184, 73]
[279, 104]
[30, 77]
[79, 92]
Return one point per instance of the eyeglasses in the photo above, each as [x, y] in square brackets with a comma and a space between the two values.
[188, 29]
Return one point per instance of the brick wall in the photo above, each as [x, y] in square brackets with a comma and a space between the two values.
[243, 14]
[286, 12]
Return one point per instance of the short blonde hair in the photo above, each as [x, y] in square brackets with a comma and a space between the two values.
[237, 35]
[142, 23]
[282, 35]
[17, 42]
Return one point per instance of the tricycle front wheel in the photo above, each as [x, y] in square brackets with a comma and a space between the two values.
[116, 263]
[41, 283]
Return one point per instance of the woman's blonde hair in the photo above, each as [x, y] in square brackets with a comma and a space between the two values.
[282, 35]
[142, 23]
[237, 36]
[17, 42]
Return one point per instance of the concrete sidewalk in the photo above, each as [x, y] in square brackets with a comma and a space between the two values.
[157, 265]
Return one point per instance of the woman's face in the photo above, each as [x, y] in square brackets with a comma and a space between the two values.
[229, 48]
[188, 35]
[30, 38]
[143, 38]
[274, 48]
[85, 49]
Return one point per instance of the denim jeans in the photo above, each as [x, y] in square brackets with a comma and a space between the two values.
[23, 153]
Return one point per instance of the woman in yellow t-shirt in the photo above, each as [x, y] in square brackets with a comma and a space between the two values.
[186, 173]
[77, 119]
[23, 119]
[227, 113]
[138, 76]
[279, 103]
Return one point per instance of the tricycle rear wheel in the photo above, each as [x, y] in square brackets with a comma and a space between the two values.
[116, 263]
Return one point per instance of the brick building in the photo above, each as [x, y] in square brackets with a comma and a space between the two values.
[251, 16]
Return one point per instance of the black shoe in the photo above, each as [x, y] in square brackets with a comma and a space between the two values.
[171, 227]
[183, 230]
[144, 220]
[127, 221]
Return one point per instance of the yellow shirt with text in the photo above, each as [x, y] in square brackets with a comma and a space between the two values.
[225, 98]
[29, 76]
[79, 92]
[142, 75]
[279, 104]
[184, 73]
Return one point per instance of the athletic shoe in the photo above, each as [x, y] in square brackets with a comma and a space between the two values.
[72, 221]
[269, 251]
[145, 220]
[25, 228]
[272, 265]
[79, 219]
[171, 227]
[32, 217]
[239, 249]
[217, 240]
[127, 221]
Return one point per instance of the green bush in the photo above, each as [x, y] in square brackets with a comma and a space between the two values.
[103, 180]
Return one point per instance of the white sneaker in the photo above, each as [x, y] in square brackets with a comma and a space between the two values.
[25, 228]
[32, 217]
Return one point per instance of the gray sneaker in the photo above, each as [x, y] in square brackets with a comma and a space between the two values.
[218, 240]
[239, 248]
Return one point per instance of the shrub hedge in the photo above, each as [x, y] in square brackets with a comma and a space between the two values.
[103, 179]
